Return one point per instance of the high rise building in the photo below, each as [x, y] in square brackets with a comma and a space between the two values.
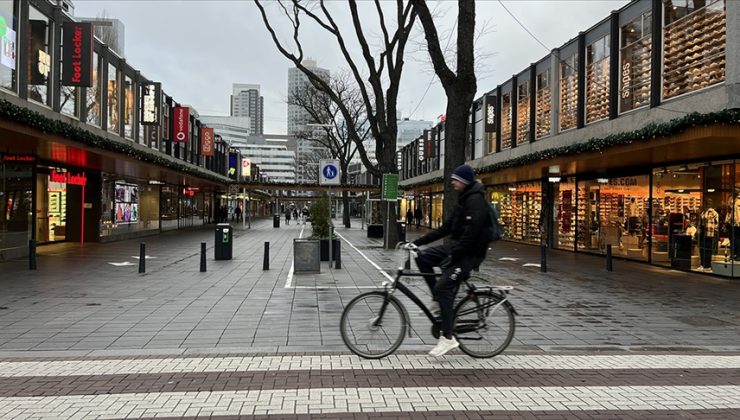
[246, 101]
[309, 153]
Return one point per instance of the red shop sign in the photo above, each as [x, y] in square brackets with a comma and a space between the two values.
[68, 178]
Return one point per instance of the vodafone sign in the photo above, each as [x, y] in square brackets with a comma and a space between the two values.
[181, 116]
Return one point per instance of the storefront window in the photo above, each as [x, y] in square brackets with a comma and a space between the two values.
[634, 65]
[597, 80]
[565, 214]
[113, 122]
[542, 122]
[169, 207]
[436, 216]
[8, 45]
[506, 115]
[39, 57]
[520, 210]
[128, 207]
[693, 217]
[16, 195]
[522, 113]
[93, 94]
[568, 92]
[128, 123]
[614, 211]
[694, 45]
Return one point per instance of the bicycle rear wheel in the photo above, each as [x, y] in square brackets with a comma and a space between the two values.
[373, 325]
[484, 324]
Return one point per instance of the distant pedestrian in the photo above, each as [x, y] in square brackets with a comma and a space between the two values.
[224, 216]
[287, 217]
[295, 215]
[238, 213]
[418, 215]
[409, 217]
[304, 214]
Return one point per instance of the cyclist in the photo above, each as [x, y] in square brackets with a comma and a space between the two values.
[466, 250]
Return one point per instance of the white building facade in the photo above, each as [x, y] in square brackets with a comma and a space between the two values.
[246, 101]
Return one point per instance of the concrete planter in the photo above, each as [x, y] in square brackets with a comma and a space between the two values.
[306, 256]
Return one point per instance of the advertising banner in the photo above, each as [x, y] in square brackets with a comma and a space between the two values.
[151, 103]
[206, 141]
[126, 203]
[77, 54]
[246, 168]
[181, 130]
[232, 165]
[489, 113]
[7, 43]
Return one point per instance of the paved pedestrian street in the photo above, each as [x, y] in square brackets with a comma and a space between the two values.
[87, 336]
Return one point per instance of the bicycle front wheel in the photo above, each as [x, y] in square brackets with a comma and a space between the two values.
[373, 325]
[484, 324]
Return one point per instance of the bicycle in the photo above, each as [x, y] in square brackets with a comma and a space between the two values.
[374, 324]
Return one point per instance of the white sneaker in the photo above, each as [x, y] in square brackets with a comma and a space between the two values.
[443, 346]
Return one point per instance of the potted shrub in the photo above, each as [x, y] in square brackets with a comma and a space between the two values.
[321, 226]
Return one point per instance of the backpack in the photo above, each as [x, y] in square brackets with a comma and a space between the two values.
[493, 228]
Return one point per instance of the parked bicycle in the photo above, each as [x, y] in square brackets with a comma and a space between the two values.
[374, 324]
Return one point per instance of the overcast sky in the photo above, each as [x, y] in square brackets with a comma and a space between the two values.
[197, 49]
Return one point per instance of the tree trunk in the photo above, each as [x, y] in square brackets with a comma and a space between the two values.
[456, 134]
[345, 209]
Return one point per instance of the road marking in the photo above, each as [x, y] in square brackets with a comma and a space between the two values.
[289, 280]
[508, 259]
[146, 257]
[121, 264]
[531, 265]
[388, 276]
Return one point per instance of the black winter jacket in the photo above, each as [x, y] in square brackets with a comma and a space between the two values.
[466, 226]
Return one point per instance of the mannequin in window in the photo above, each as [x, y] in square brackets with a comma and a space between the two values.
[708, 230]
[732, 220]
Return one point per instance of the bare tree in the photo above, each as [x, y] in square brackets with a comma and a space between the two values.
[334, 128]
[459, 84]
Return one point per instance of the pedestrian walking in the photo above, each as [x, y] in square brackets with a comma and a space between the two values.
[287, 217]
[238, 213]
[418, 215]
[304, 214]
[409, 217]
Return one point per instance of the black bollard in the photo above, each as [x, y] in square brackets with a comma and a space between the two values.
[142, 258]
[338, 256]
[266, 260]
[543, 258]
[609, 257]
[31, 254]
[202, 257]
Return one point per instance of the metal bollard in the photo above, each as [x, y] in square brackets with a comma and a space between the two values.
[543, 258]
[266, 260]
[609, 257]
[202, 257]
[31, 254]
[338, 256]
[142, 258]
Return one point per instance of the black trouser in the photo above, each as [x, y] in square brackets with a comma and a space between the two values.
[706, 243]
[444, 289]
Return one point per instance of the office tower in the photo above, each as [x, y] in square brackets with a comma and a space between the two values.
[309, 153]
[246, 101]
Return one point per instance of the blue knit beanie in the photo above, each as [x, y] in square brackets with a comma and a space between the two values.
[464, 174]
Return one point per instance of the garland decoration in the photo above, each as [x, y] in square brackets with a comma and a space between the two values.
[644, 134]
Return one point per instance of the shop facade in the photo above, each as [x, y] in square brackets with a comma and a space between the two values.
[91, 149]
[627, 137]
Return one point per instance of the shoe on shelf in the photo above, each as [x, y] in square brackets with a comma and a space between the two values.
[443, 346]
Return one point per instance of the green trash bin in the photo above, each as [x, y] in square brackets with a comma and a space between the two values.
[224, 241]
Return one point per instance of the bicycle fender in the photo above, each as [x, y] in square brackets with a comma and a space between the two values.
[511, 307]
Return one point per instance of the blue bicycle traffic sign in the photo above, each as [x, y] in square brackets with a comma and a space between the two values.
[329, 172]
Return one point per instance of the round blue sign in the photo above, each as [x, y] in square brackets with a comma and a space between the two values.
[330, 171]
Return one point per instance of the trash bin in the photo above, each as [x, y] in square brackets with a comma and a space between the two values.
[224, 241]
[401, 231]
[276, 220]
